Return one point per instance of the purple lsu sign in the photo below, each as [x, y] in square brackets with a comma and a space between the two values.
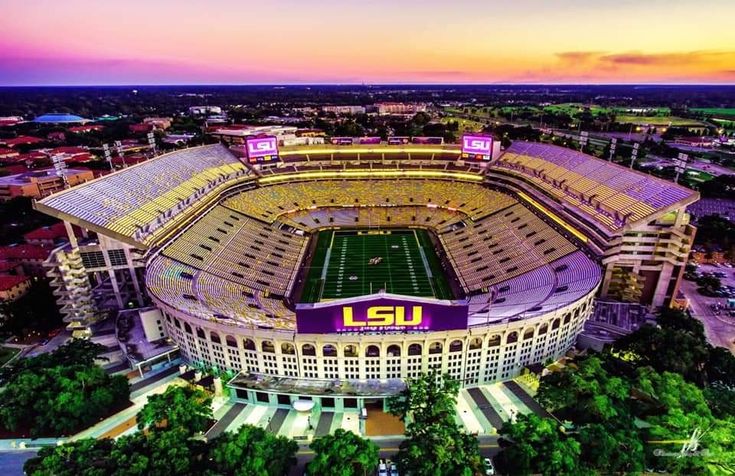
[261, 149]
[477, 145]
[380, 315]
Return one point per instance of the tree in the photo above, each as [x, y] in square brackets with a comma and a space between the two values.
[187, 408]
[428, 399]
[60, 392]
[612, 449]
[35, 311]
[536, 445]
[585, 392]
[76, 458]
[709, 285]
[253, 451]
[434, 444]
[343, 453]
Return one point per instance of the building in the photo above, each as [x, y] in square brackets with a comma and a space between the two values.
[29, 257]
[160, 123]
[86, 129]
[205, 111]
[398, 108]
[60, 118]
[287, 135]
[40, 183]
[344, 110]
[48, 236]
[20, 140]
[13, 287]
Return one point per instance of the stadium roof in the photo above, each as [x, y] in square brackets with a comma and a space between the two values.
[60, 118]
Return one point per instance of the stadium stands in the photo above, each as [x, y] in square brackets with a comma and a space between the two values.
[268, 203]
[138, 201]
[612, 195]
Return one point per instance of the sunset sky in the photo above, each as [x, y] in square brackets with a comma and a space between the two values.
[52, 42]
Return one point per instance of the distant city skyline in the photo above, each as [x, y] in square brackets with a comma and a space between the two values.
[85, 42]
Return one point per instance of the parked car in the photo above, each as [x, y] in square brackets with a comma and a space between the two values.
[489, 468]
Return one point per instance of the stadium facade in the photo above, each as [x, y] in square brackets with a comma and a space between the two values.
[222, 247]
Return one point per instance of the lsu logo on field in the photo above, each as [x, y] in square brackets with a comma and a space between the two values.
[383, 316]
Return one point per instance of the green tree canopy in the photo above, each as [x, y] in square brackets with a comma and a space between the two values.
[343, 453]
[187, 408]
[434, 444]
[60, 392]
[252, 451]
[537, 445]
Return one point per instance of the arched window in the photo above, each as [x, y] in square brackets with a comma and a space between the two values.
[555, 324]
[475, 343]
[200, 334]
[248, 344]
[414, 349]
[567, 318]
[543, 330]
[372, 351]
[231, 341]
[528, 334]
[350, 351]
[455, 346]
[308, 349]
[436, 348]
[187, 328]
[267, 346]
[329, 351]
[288, 348]
[494, 341]
[394, 350]
[512, 337]
[215, 337]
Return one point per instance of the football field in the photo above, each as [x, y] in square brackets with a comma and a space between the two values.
[356, 263]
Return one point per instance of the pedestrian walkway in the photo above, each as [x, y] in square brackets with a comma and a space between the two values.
[226, 420]
[484, 409]
[527, 399]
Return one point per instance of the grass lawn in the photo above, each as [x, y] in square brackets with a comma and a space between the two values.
[727, 112]
[7, 353]
[657, 120]
[464, 124]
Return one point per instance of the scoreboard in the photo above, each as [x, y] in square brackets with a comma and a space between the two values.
[477, 147]
[261, 149]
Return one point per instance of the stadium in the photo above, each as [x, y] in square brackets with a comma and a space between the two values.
[334, 270]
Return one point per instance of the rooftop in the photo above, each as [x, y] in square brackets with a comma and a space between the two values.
[35, 175]
[60, 118]
[9, 282]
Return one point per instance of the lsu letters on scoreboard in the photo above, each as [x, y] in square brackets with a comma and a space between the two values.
[380, 313]
[477, 147]
[262, 149]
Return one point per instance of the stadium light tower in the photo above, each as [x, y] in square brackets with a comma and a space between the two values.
[60, 166]
[613, 145]
[680, 164]
[634, 154]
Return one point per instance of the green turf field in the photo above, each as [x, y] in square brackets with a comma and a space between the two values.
[341, 265]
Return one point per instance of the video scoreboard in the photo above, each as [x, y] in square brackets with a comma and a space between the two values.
[477, 147]
[261, 149]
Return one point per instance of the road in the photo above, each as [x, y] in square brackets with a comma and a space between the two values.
[389, 448]
[720, 330]
[11, 462]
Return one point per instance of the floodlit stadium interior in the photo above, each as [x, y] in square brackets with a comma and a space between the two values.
[526, 240]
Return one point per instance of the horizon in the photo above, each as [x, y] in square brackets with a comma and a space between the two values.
[284, 42]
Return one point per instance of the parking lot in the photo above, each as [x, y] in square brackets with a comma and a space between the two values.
[719, 325]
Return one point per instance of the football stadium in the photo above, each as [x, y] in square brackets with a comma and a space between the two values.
[331, 271]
